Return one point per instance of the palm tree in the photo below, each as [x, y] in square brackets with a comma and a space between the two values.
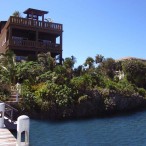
[69, 62]
[99, 58]
[78, 71]
[8, 64]
[17, 14]
[108, 67]
[46, 60]
[89, 62]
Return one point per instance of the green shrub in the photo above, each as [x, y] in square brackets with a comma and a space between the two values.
[59, 94]
[108, 67]
[4, 92]
[142, 92]
[27, 94]
[126, 88]
[83, 82]
[135, 72]
[111, 85]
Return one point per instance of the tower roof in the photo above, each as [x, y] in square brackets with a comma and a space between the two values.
[35, 12]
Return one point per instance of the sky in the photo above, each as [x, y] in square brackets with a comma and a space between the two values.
[112, 28]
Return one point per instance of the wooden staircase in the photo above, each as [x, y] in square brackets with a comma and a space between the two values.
[13, 98]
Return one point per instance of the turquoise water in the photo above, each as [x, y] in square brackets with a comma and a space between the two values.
[129, 130]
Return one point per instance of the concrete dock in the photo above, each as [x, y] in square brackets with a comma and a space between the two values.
[7, 138]
[7, 122]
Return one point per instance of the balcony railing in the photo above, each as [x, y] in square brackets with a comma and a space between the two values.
[27, 44]
[23, 43]
[35, 23]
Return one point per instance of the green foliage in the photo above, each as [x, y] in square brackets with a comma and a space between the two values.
[99, 58]
[59, 69]
[44, 105]
[17, 14]
[4, 77]
[59, 94]
[78, 71]
[83, 82]
[118, 65]
[109, 102]
[107, 67]
[135, 72]
[28, 70]
[62, 74]
[7, 66]
[28, 96]
[4, 92]
[69, 62]
[46, 61]
[48, 87]
[64, 96]
[123, 87]
[46, 76]
[142, 92]
[89, 62]
[111, 85]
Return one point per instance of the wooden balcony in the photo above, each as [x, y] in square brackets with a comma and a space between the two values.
[33, 45]
[35, 23]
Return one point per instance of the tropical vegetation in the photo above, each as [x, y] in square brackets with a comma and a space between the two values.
[100, 86]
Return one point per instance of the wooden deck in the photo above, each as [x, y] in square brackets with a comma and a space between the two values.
[7, 138]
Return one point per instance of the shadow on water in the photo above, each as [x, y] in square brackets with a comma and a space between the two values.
[122, 128]
[104, 116]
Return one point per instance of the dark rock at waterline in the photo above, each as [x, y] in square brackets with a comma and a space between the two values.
[91, 107]
[95, 105]
[125, 103]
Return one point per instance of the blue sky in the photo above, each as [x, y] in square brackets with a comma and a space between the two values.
[113, 28]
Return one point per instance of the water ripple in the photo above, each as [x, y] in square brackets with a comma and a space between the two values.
[116, 131]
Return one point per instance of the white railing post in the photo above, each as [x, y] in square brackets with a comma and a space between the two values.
[23, 126]
[2, 111]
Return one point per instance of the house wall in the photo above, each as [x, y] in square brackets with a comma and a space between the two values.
[3, 41]
[2, 24]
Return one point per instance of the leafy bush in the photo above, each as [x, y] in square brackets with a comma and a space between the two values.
[28, 102]
[49, 75]
[107, 67]
[142, 92]
[111, 85]
[59, 94]
[135, 72]
[28, 70]
[58, 89]
[4, 92]
[83, 82]
[125, 88]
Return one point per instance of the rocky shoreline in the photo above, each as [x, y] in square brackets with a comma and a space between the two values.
[95, 106]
